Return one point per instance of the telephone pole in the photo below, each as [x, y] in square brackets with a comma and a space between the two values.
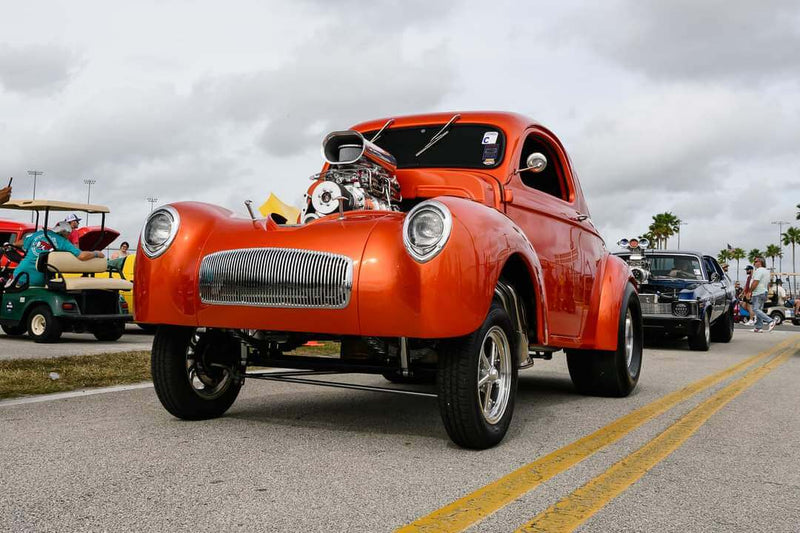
[89, 195]
[780, 224]
[35, 174]
[152, 200]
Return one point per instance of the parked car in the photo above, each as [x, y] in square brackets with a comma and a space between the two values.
[682, 294]
[12, 233]
[79, 303]
[453, 248]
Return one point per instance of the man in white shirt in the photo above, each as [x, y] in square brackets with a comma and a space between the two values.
[758, 295]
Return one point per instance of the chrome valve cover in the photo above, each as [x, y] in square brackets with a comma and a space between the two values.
[276, 277]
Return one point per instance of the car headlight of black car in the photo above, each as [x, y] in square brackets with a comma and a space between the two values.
[683, 308]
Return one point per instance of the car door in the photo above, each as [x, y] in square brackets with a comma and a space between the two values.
[717, 286]
[544, 205]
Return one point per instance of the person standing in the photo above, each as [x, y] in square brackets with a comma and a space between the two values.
[758, 295]
[745, 303]
[123, 251]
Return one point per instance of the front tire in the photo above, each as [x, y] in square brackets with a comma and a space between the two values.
[42, 325]
[109, 331]
[777, 317]
[722, 330]
[193, 371]
[700, 339]
[14, 331]
[477, 382]
[612, 373]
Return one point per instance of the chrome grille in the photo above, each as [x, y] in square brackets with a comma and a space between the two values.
[652, 308]
[276, 277]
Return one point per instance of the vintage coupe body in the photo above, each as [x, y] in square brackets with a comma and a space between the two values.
[683, 294]
[446, 248]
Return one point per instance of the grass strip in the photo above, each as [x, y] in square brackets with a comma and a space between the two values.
[21, 377]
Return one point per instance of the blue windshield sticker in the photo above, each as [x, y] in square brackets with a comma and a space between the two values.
[490, 153]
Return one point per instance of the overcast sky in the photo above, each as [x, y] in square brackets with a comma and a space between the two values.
[682, 106]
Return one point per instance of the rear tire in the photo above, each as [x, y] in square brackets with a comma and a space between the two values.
[612, 373]
[185, 381]
[108, 331]
[722, 329]
[777, 317]
[477, 415]
[14, 331]
[700, 339]
[42, 325]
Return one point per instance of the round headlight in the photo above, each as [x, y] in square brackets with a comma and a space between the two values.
[426, 230]
[159, 231]
[681, 309]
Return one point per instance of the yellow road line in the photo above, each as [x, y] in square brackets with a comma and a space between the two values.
[479, 504]
[573, 510]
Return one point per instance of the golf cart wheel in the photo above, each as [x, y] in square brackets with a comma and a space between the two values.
[722, 329]
[14, 331]
[477, 382]
[108, 331]
[42, 325]
[700, 339]
[612, 373]
[194, 371]
[777, 317]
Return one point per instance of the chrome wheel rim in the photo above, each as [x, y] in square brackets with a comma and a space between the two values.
[208, 383]
[38, 325]
[494, 374]
[628, 339]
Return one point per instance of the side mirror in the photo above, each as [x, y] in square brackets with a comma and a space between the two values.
[715, 277]
[536, 162]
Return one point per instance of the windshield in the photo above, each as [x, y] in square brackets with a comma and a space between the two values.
[673, 266]
[464, 146]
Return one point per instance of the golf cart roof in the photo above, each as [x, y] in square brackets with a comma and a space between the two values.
[52, 205]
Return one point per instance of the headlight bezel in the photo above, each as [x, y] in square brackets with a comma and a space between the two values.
[425, 254]
[155, 251]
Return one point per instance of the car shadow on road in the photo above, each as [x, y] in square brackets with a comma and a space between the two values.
[381, 413]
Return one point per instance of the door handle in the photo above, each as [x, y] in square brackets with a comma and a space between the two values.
[580, 217]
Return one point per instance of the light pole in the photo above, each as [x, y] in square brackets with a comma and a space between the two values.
[152, 200]
[35, 174]
[780, 224]
[679, 232]
[89, 195]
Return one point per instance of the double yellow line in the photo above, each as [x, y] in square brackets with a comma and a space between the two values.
[576, 508]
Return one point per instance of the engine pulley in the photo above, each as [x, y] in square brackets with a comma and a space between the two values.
[324, 197]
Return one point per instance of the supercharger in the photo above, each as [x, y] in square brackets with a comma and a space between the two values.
[360, 175]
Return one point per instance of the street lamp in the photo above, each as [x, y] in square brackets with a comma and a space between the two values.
[679, 232]
[780, 224]
[152, 200]
[35, 174]
[89, 195]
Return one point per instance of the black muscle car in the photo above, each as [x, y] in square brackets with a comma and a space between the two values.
[683, 294]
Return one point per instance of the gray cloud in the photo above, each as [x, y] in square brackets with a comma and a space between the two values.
[37, 69]
[747, 41]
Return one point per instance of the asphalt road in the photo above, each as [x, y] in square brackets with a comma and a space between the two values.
[74, 344]
[292, 457]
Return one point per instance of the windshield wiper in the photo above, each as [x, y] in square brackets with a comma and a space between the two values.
[375, 137]
[439, 135]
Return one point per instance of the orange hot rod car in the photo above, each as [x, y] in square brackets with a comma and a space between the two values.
[447, 248]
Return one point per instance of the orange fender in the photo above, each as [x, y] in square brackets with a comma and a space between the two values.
[614, 276]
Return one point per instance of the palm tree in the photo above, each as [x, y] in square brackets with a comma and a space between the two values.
[773, 251]
[664, 226]
[737, 254]
[752, 254]
[724, 256]
[792, 236]
[798, 211]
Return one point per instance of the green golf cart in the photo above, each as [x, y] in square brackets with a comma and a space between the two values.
[72, 299]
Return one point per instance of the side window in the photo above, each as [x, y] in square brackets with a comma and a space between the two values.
[551, 179]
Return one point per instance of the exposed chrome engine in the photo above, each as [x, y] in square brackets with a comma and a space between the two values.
[637, 261]
[360, 176]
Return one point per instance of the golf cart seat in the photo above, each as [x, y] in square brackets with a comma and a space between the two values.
[59, 263]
